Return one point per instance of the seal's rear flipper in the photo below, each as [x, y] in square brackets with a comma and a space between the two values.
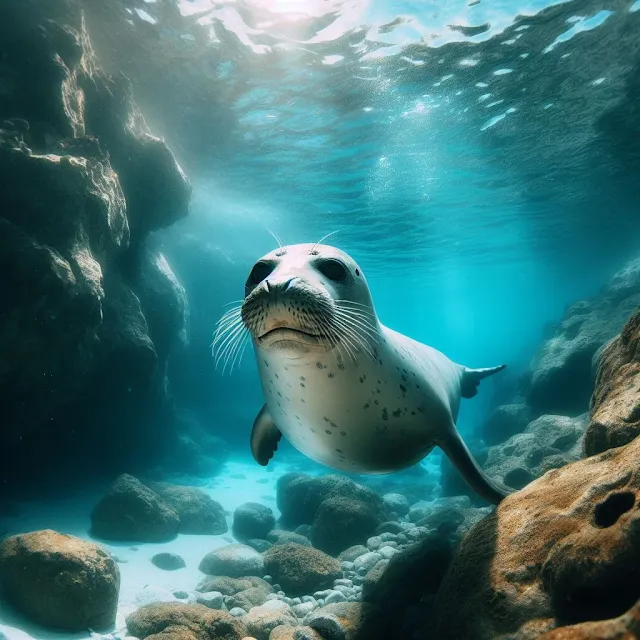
[456, 450]
[264, 437]
[471, 379]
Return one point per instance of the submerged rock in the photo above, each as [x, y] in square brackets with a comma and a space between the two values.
[563, 550]
[179, 621]
[563, 378]
[340, 620]
[199, 514]
[59, 581]
[168, 561]
[261, 621]
[131, 511]
[234, 561]
[252, 520]
[615, 404]
[301, 570]
[505, 421]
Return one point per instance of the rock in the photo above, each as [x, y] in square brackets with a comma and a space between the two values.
[367, 561]
[621, 628]
[562, 372]
[615, 404]
[337, 621]
[389, 527]
[277, 536]
[547, 443]
[198, 513]
[563, 550]
[237, 612]
[131, 511]
[210, 599]
[168, 561]
[258, 544]
[249, 598]
[252, 520]
[286, 632]
[181, 595]
[261, 621]
[350, 554]
[301, 570]
[394, 586]
[179, 621]
[396, 503]
[59, 581]
[232, 586]
[234, 561]
[505, 421]
[299, 496]
[342, 522]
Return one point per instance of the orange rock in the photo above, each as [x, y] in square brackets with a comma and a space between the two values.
[563, 550]
[615, 405]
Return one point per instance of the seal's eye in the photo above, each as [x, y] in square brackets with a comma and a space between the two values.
[259, 272]
[332, 269]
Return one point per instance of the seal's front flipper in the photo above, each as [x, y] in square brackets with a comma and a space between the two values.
[471, 379]
[456, 450]
[264, 437]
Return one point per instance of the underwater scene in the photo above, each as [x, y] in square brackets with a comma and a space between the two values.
[320, 319]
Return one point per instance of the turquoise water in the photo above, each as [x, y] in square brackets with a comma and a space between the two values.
[475, 158]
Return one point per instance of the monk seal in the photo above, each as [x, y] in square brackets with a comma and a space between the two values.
[345, 390]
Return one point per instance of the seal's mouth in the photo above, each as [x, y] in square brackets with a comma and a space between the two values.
[288, 334]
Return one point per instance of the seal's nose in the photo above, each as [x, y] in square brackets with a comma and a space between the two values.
[282, 286]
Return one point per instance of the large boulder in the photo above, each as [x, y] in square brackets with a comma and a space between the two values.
[262, 620]
[563, 550]
[199, 514]
[301, 570]
[563, 374]
[252, 520]
[59, 581]
[131, 511]
[615, 404]
[178, 621]
[233, 561]
[299, 496]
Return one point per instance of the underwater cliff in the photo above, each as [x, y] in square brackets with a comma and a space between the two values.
[481, 164]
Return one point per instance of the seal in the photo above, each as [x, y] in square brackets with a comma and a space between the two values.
[345, 390]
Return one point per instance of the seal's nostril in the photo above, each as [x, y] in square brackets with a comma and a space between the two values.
[267, 285]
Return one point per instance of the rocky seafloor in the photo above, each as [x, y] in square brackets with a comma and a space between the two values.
[89, 315]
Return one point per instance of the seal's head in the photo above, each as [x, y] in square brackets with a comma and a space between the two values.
[308, 298]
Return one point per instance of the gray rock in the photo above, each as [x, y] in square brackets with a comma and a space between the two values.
[367, 561]
[234, 561]
[396, 503]
[252, 520]
[211, 599]
[168, 561]
[335, 596]
[237, 612]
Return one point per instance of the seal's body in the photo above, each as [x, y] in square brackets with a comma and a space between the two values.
[344, 389]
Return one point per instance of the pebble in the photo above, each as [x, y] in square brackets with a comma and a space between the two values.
[211, 599]
[308, 599]
[273, 596]
[181, 595]
[388, 552]
[236, 612]
[335, 596]
[367, 562]
[268, 579]
[347, 566]
[344, 582]
[388, 537]
[374, 543]
[342, 589]
[168, 561]
[273, 605]
[418, 533]
[322, 594]
[301, 610]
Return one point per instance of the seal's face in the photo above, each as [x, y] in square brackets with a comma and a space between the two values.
[305, 298]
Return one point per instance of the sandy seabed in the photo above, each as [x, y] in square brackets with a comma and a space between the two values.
[238, 482]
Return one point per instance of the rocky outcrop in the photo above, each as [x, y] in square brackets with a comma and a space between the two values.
[89, 315]
[563, 373]
[301, 570]
[561, 551]
[615, 404]
[131, 511]
[178, 621]
[59, 581]
[505, 421]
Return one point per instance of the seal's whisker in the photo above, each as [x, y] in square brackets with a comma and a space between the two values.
[331, 331]
[346, 338]
[333, 233]
[353, 333]
[275, 237]
[224, 331]
[239, 352]
[228, 342]
[232, 354]
[360, 324]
